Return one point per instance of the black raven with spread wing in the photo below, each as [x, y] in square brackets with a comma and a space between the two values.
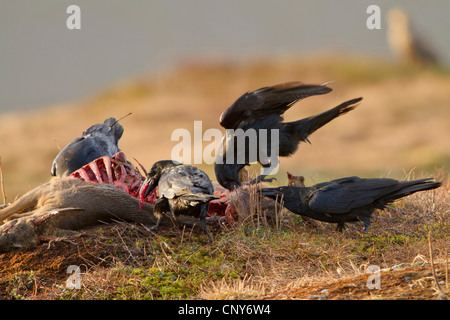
[264, 109]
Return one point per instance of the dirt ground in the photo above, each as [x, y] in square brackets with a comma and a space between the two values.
[35, 273]
[32, 272]
[414, 282]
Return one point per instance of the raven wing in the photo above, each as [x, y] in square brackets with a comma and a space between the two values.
[267, 101]
[97, 141]
[184, 180]
[343, 195]
[80, 152]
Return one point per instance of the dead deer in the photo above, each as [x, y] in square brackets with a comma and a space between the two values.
[62, 205]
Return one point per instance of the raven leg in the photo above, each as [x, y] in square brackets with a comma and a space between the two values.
[203, 222]
[267, 171]
[366, 222]
[161, 206]
[340, 226]
[262, 178]
[205, 227]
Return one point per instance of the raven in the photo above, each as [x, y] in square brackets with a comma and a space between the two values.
[183, 190]
[347, 199]
[263, 109]
[99, 140]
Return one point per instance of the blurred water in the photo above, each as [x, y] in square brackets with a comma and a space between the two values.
[44, 63]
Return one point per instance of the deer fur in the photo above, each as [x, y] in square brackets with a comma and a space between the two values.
[62, 205]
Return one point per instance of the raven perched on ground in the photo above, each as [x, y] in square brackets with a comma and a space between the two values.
[183, 190]
[263, 109]
[99, 140]
[347, 199]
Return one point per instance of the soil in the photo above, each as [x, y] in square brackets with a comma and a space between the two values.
[45, 266]
[405, 283]
[48, 263]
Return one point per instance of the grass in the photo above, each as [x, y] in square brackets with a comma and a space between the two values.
[154, 267]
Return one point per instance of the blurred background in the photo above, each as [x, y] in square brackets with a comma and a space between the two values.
[173, 62]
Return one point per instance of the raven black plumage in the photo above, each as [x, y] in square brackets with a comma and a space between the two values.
[263, 109]
[183, 190]
[347, 199]
[97, 141]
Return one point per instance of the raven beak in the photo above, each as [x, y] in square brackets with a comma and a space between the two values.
[327, 83]
[270, 192]
[53, 170]
[147, 186]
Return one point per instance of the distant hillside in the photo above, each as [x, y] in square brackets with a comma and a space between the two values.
[401, 125]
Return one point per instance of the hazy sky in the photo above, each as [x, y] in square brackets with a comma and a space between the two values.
[42, 62]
